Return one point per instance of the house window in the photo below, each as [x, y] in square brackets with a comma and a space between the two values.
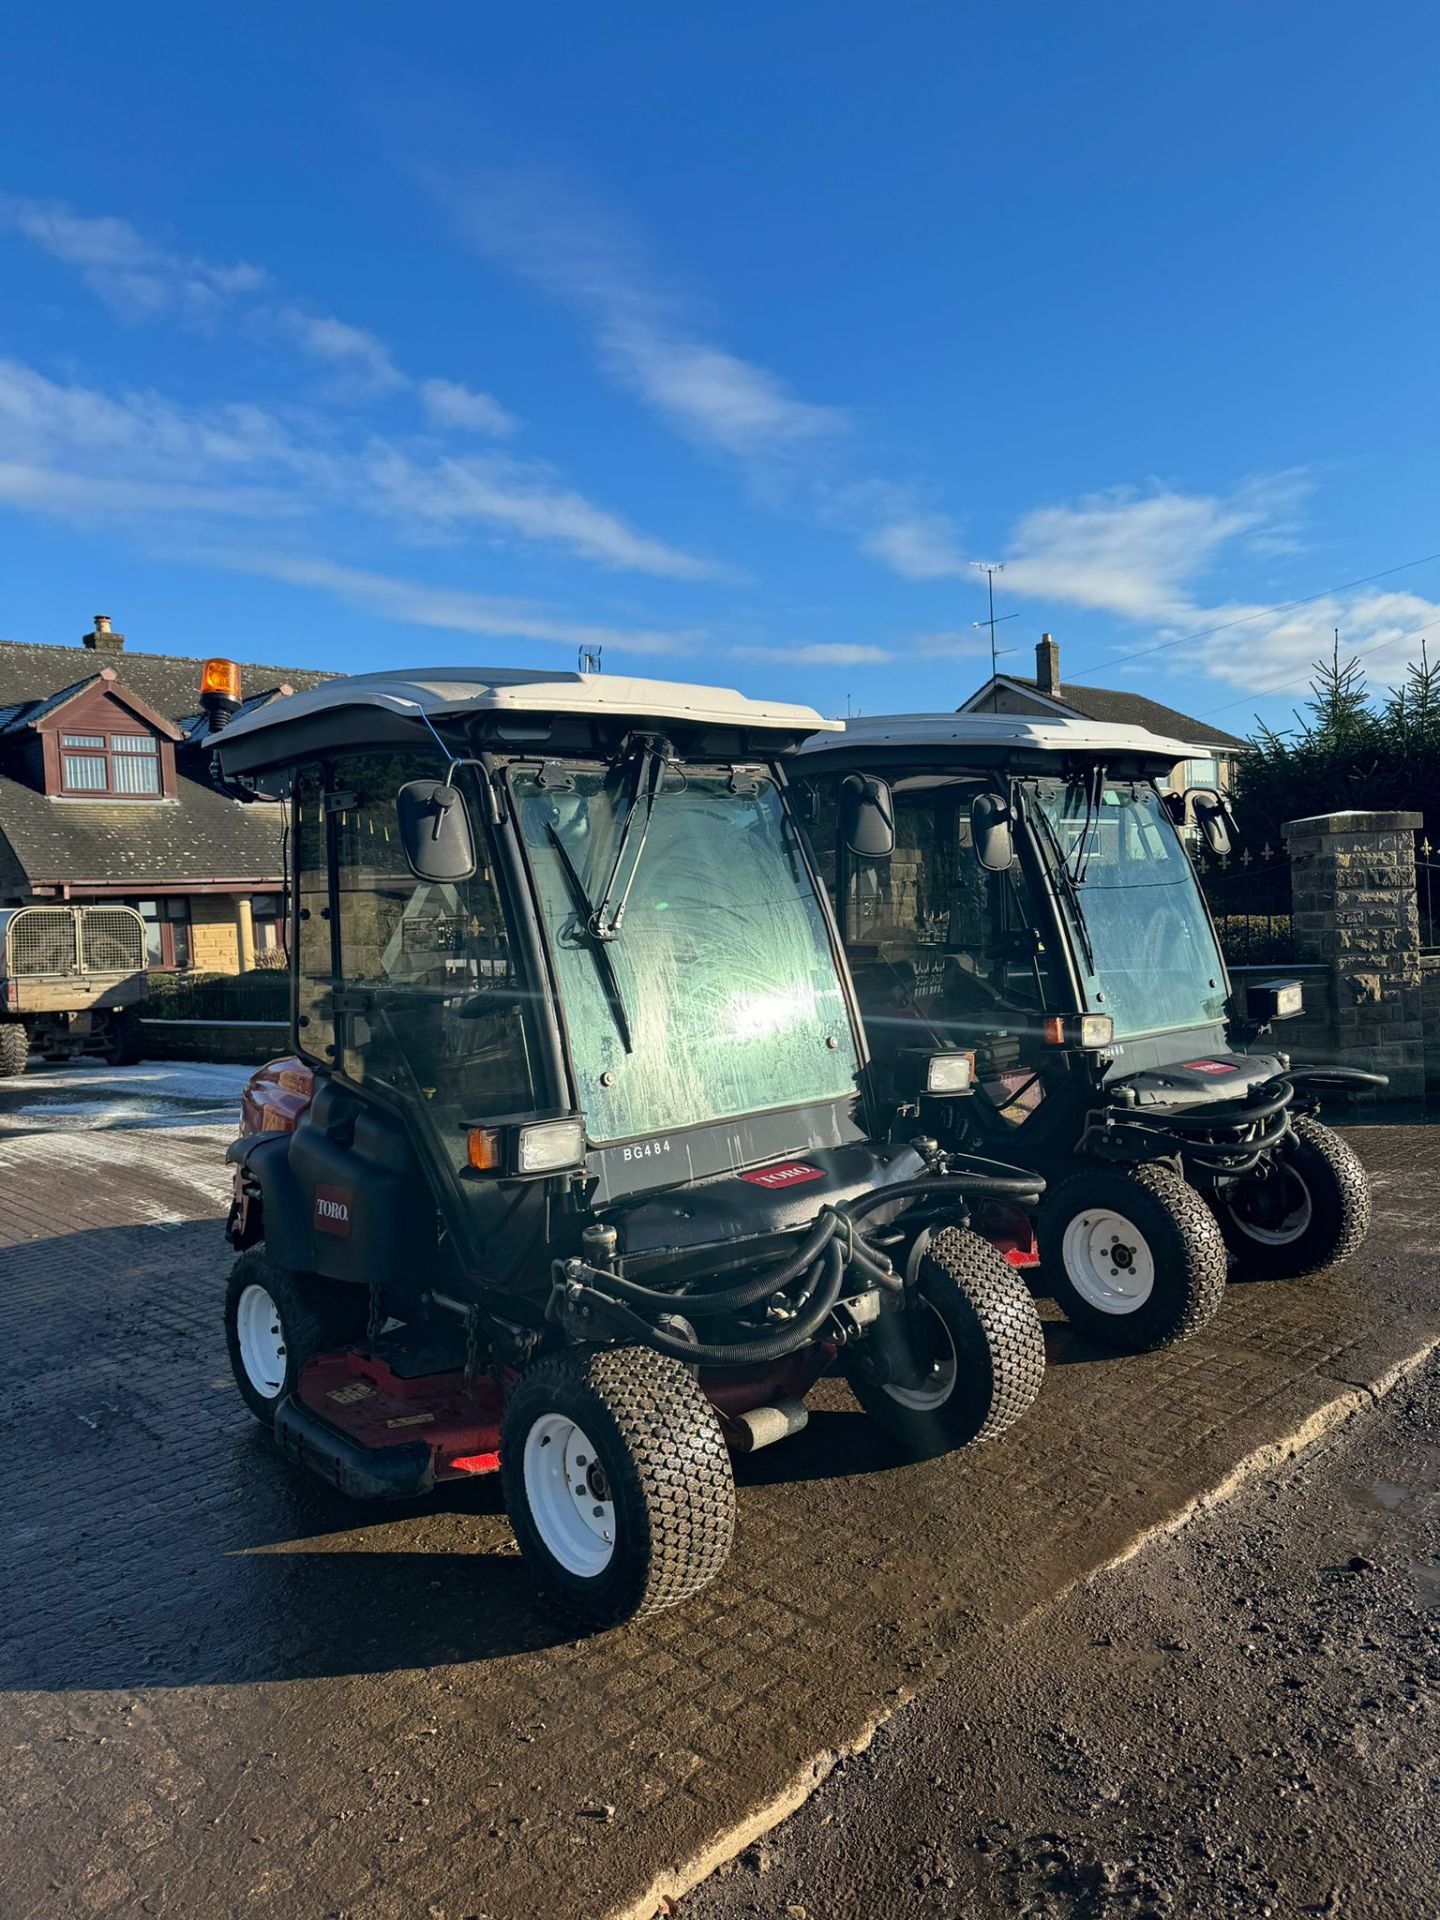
[269, 931]
[1201, 773]
[167, 931]
[123, 763]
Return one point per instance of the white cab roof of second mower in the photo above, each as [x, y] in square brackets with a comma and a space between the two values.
[956, 730]
[447, 691]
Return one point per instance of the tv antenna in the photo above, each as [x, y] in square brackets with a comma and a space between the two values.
[990, 568]
[590, 659]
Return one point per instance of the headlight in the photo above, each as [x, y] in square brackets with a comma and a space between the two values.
[949, 1072]
[550, 1146]
[1274, 1000]
[1091, 1032]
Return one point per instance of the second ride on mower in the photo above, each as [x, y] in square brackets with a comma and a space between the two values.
[1018, 891]
[574, 1173]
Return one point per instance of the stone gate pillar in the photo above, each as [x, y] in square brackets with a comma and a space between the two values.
[1352, 882]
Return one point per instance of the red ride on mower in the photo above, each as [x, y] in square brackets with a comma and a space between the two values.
[574, 1172]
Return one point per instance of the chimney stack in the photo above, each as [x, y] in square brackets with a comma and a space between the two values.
[103, 640]
[1047, 665]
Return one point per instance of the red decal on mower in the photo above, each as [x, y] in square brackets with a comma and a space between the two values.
[1208, 1066]
[792, 1174]
[332, 1210]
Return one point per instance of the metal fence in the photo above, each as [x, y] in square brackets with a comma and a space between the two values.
[241, 996]
[1427, 889]
[1249, 895]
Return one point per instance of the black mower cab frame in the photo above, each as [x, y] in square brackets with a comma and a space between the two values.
[1028, 901]
[589, 1121]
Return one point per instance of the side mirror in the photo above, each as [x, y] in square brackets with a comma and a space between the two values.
[1212, 817]
[867, 817]
[992, 831]
[435, 831]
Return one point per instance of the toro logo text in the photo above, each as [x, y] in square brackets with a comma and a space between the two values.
[332, 1210]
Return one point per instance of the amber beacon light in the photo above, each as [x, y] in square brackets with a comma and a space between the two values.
[219, 691]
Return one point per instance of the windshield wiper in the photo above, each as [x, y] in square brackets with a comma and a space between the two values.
[585, 913]
[1061, 869]
[649, 773]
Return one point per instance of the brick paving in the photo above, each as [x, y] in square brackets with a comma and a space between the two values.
[226, 1691]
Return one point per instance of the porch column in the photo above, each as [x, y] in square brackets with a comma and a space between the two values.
[1352, 881]
[245, 934]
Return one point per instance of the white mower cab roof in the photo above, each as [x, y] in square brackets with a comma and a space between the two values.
[948, 731]
[445, 692]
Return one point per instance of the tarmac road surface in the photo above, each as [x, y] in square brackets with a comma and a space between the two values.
[1243, 1720]
[225, 1691]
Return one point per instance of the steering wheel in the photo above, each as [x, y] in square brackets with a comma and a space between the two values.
[1166, 936]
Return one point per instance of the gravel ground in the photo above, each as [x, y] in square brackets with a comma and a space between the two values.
[1242, 1720]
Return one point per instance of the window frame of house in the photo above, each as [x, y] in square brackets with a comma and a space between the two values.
[169, 919]
[107, 748]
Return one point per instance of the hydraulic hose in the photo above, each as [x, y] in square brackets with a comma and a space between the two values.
[1019, 1186]
[739, 1353]
[746, 1293]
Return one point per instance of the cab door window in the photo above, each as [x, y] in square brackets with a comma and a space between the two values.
[944, 952]
[312, 934]
[428, 1004]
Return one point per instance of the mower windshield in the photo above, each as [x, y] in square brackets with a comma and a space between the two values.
[721, 998]
[1144, 947]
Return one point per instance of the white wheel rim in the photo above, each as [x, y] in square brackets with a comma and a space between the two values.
[262, 1341]
[569, 1496]
[1108, 1261]
[940, 1378]
[1292, 1225]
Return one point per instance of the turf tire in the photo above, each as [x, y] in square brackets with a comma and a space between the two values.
[659, 1443]
[991, 1335]
[1179, 1233]
[1339, 1198]
[313, 1314]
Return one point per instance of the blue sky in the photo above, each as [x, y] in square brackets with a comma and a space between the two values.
[727, 338]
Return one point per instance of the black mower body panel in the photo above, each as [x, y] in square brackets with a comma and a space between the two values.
[750, 1213]
[1197, 1079]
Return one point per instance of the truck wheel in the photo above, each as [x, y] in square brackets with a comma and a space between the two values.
[1134, 1256]
[276, 1321]
[961, 1360]
[125, 1046]
[1310, 1209]
[617, 1482]
[14, 1048]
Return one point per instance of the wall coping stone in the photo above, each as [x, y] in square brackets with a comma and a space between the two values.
[1355, 821]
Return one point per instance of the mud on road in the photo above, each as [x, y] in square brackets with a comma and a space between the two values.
[1243, 1720]
[225, 1691]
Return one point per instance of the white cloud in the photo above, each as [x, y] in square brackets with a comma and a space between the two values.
[141, 280]
[453, 610]
[918, 546]
[122, 448]
[644, 337]
[353, 351]
[131, 274]
[520, 498]
[448, 404]
[710, 395]
[1135, 554]
[1267, 650]
[1145, 557]
[817, 653]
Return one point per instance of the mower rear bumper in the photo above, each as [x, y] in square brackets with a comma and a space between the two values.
[404, 1472]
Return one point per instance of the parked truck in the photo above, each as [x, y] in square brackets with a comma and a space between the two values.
[72, 981]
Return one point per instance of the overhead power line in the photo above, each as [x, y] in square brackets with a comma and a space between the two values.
[1295, 680]
[1260, 613]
